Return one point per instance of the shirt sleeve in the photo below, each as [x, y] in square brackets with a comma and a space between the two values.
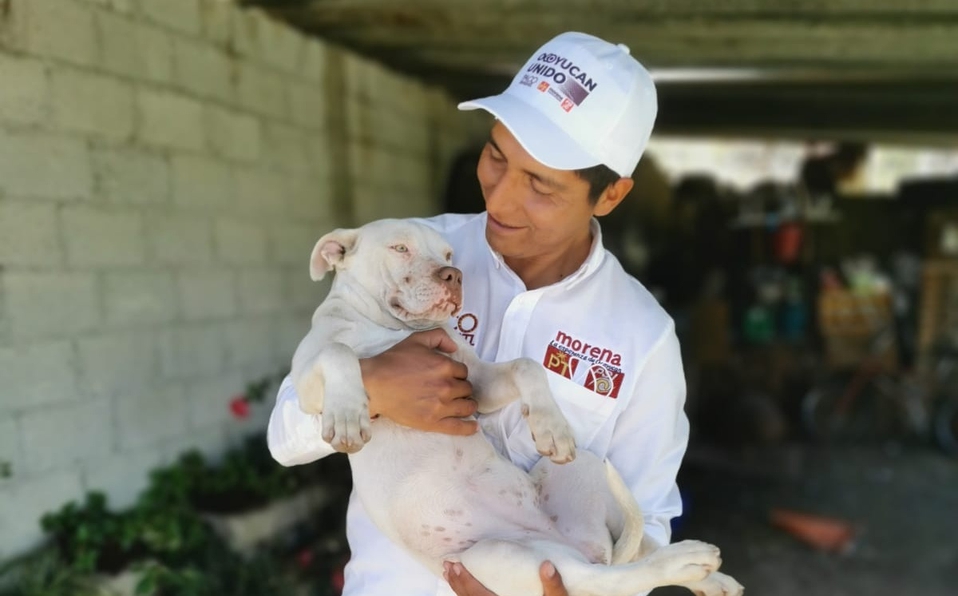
[650, 437]
[294, 437]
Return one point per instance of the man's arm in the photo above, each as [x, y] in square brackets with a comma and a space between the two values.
[414, 383]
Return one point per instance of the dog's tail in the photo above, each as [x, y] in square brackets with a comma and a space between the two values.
[628, 528]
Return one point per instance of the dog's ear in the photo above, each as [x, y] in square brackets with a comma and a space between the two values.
[329, 252]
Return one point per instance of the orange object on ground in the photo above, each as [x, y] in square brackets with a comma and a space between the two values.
[824, 533]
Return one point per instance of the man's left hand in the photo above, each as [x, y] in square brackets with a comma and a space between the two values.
[463, 584]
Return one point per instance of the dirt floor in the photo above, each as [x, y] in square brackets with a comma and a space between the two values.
[903, 502]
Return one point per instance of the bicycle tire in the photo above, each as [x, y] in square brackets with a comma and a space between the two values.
[822, 421]
[945, 425]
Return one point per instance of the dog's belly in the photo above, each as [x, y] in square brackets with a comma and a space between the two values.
[438, 494]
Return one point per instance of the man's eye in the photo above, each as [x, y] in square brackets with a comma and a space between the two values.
[400, 248]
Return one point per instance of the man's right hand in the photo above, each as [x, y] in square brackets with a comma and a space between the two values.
[416, 384]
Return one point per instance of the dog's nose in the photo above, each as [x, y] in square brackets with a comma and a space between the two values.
[450, 275]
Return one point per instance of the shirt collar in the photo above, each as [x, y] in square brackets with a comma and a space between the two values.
[591, 263]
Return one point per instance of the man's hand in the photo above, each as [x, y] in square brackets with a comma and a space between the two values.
[463, 584]
[416, 384]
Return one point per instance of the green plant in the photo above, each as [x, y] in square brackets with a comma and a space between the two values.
[6, 469]
[92, 538]
[43, 573]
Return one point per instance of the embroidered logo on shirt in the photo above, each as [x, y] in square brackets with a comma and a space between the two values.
[601, 372]
[466, 324]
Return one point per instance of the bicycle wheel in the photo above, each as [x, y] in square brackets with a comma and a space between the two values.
[830, 414]
[945, 425]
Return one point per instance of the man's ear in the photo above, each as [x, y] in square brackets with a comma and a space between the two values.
[329, 252]
[612, 196]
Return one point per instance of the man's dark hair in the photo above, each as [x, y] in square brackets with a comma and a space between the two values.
[599, 177]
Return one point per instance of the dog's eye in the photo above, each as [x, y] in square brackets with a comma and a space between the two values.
[448, 257]
[400, 248]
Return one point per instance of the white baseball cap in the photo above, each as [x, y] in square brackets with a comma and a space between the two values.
[578, 102]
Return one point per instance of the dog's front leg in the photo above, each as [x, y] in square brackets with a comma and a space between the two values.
[331, 384]
[496, 385]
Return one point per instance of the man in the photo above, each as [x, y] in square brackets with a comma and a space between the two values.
[570, 130]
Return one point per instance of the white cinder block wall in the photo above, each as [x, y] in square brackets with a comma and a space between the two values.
[165, 167]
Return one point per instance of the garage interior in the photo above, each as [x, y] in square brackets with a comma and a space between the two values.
[818, 312]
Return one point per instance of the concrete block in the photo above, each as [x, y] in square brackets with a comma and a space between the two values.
[176, 239]
[216, 18]
[28, 234]
[191, 351]
[207, 293]
[139, 298]
[154, 53]
[121, 6]
[61, 29]
[292, 243]
[44, 305]
[37, 374]
[239, 242]
[95, 237]
[286, 148]
[123, 476]
[179, 15]
[260, 192]
[148, 420]
[261, 91]
[201, 183]
[9, 450]
[311, 197]
[233, 135]
[92, 104]
[65, 435]
[170, 120]
[209, 398]
[119, 44]
[204, 70]
[249, 343]
[260, 291]
[290, 327]
[246, 36]
[23, 503]
[313, 66]
[308, 105]
[303, 292]
[110, 364]
[211, 440]
[25, 93]
[39, 165]
[125, 175]
[282, 46]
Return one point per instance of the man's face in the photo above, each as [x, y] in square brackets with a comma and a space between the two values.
[533, 210]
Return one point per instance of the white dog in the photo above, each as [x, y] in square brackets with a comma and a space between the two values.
[455, 498]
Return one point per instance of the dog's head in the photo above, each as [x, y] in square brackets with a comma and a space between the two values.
[405, 266]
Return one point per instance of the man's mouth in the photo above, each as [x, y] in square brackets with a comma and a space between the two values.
[499, 226]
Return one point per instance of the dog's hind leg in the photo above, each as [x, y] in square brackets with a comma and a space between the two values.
[511, 568]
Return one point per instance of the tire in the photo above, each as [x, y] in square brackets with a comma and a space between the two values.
[865, 419]
[945, 425]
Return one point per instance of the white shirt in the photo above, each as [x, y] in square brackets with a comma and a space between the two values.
[615, 370]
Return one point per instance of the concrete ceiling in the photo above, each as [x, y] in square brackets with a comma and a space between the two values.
[810, 69]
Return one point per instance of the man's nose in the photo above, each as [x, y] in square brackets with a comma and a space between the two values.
[450, 276]
[498, 195]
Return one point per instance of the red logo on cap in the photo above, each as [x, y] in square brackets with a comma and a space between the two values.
[543, 86]
[567, 104]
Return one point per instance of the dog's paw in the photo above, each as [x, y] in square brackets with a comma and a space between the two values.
[346, 424]
[552, 434]
[716, 584]
[684, 563]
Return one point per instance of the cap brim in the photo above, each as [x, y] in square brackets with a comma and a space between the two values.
[540, 137]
